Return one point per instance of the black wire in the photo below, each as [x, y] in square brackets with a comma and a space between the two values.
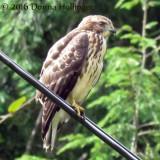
[64, 105]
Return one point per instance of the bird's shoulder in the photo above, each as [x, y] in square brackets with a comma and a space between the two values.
[71, 52]
[75, 35]
[68, 45]
[66, 55]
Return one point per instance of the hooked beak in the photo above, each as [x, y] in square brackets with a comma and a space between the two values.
[113, 30]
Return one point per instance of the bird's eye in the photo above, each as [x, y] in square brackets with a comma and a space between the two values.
[102, 24]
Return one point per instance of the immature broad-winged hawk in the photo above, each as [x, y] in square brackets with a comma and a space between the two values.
[72, 67]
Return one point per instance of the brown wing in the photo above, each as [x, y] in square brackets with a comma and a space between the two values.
[61, 74]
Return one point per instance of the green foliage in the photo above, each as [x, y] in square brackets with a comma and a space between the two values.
[127, 93]
[124, 4]
[14, 106]
[154, 3]
[151, 25]
[30, 157]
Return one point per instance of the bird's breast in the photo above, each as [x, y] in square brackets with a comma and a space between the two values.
[91, 70]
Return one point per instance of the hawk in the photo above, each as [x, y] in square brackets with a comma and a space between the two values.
[72, 68]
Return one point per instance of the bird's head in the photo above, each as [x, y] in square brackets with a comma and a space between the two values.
[99, 24]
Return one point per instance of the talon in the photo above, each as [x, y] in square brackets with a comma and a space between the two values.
[80, 110]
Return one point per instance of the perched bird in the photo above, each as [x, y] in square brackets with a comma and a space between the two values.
[72, 68]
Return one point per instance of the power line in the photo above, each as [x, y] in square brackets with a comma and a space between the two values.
[64, 105]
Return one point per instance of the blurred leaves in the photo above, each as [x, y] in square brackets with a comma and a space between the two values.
[124, 4]
[14, 106]
[30, 157]
[77, 141]
[26, 37]
[151, 25]
[154, 3]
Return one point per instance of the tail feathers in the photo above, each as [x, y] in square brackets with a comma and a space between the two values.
[50, 137]
[56, 123]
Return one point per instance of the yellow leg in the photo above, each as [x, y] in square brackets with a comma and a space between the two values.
[80, 110]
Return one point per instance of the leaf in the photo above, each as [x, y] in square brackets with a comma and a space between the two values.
[132, 62]
[16, 104]
[112, 113]
[146, 72]
[119, 3]
[127, 36]
[97, 102]
[154, 3]
[151, 25]
[147, 42]
[156, 69]
[123, 4]
[30, 157]
[5, 30]
[78, 140]
[127, 27]
[136, 38]
[129, 5]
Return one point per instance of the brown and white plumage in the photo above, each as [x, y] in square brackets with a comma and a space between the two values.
[72, 67]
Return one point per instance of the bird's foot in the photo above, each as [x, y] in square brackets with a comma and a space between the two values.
[80, 110]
